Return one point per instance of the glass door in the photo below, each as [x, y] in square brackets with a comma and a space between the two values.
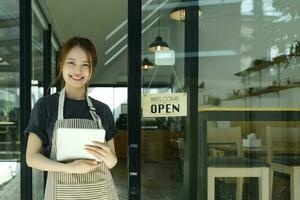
[37, 70]
[169, 79]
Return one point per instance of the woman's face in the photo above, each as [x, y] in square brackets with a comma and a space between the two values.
[76, 68]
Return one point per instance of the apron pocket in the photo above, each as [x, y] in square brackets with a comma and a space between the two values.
[97, 190]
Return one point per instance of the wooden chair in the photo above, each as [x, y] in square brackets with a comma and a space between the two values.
[234, 166]
[282, 154]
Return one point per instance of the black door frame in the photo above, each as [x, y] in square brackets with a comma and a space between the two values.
[25, 44]
[134, 99]
[25, 10]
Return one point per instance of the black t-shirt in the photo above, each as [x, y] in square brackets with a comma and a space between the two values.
[44, 115]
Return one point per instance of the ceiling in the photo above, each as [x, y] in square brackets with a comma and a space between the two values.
[94, 19]
[105, 23]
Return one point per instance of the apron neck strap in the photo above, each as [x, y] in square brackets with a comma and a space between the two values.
[61, 100]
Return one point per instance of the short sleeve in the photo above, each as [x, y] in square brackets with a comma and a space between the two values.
[37, 121]
[108, 124]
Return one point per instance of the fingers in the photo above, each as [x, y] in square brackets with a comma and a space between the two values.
[101, 145]
[96, 149]
[99, 155]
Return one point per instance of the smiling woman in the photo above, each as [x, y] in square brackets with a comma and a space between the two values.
[73, 108]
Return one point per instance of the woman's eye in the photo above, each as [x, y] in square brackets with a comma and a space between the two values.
[71, 63]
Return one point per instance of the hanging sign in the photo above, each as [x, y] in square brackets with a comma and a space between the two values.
[164, 105]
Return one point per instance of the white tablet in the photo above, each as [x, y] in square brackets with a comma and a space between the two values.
[70, 142]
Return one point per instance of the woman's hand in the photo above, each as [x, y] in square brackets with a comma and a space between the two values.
[102, 153]
[81, 166]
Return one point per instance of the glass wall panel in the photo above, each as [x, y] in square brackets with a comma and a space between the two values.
[114, 97]
[37, 92]
[249, 59]
[254, 146]
[9, 100]
[253, 46]
[37, 59]
[162, 136]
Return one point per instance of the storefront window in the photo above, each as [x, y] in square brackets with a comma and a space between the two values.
[252, 158]
[161, 136]
[9, 100]
[261, 74]
[263, 70]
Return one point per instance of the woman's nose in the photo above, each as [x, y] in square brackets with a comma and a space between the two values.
[78, 69]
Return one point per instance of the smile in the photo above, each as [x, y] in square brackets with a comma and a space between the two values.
[76, 78]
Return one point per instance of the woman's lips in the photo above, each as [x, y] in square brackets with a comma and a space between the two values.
[77, 78]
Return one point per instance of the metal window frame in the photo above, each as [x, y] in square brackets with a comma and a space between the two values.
[191, 68]
[25, 92]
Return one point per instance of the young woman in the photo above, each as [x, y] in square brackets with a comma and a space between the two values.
[72, 108]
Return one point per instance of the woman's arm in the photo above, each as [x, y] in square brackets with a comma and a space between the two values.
[35, 159]
[104, 152]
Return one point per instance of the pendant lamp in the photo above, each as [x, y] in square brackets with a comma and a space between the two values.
[178, 13]
[158, 43]
[146, 63]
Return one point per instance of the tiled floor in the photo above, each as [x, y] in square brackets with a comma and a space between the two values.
[11, 190]
[159, 182]
[10, 180]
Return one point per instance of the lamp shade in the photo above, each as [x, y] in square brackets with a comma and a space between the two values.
[147, 64]
[178, 14]
[158, 45]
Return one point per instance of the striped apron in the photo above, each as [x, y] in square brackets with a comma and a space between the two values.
[95, 185]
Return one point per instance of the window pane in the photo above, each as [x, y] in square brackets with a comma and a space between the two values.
[36, 93]
[9, 100]
[253, 47]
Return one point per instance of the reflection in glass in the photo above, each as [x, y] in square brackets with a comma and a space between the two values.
[9, 101]
[265, 30]
[255, 144]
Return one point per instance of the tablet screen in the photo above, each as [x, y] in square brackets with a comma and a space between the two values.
[70, 142]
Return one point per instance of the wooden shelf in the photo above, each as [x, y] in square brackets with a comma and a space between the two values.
[243, 109]
[266, 90]
[266, 64]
